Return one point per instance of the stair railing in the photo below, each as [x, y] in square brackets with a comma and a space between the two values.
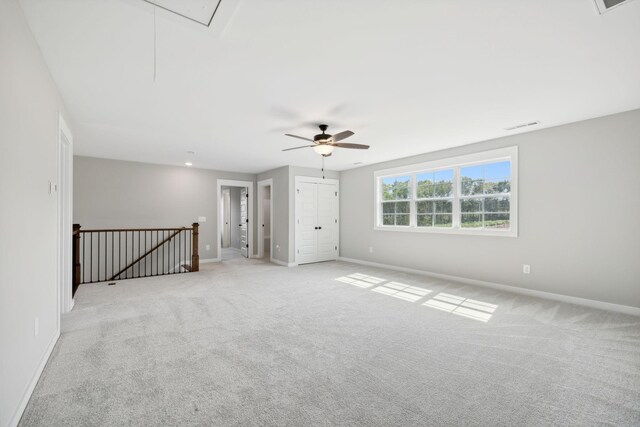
[116, 254]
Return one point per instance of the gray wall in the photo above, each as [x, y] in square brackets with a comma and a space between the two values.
[29, 108]
[115, 193]
[280, 196]
[579, 199]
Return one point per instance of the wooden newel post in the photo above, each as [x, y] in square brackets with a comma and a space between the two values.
[76, 258]
[195, 259]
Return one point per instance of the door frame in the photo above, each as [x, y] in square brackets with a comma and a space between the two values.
[233, 183]
[65, 217]
[261, 187]
[313, 180]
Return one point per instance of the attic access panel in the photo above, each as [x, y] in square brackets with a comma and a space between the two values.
[200, 11]
[606, 5]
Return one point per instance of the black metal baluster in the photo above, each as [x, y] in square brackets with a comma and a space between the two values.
[106, 243]
[84, 258]
[98, 256]
[126, 249]
[91, 257]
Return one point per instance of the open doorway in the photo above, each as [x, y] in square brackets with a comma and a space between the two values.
[265, 218]
[235, 224]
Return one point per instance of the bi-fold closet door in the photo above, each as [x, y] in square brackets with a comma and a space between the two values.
[317, 231]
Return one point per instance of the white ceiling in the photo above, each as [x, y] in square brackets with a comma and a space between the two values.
[407, 77]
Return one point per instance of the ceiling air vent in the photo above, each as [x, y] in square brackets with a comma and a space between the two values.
[606, 5]
[523, 125]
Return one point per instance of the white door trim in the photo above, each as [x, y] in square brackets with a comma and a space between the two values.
[316, 180]
[232, 183]
[65, 217]
[261, 185]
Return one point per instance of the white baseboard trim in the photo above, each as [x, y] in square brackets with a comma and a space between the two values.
[634, 311]
[32, 385]
[209, 260]
[286, 264]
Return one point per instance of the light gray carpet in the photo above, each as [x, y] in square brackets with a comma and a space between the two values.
[250, 343]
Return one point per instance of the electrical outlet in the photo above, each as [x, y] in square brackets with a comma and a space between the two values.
[526, 268]
[36, 327]
[208, 247]
[370, 249]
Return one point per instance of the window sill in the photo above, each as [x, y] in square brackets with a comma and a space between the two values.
[463, 232]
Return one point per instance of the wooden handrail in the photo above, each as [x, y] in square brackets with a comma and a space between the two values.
[178, 231]
[106, 230]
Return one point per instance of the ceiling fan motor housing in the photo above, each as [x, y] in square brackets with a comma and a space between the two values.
[321, 137]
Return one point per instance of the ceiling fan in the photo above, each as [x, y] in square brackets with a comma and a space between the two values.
[324, 143]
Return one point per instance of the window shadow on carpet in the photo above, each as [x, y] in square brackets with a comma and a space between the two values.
[454, 304]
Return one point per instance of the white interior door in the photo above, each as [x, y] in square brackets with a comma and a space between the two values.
[327, 222]
[244, 223]
[306, 222]
[226, 226]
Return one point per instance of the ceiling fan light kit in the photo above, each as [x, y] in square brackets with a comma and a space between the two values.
[323, 149]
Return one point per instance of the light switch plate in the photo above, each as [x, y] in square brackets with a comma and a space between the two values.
[202, 219]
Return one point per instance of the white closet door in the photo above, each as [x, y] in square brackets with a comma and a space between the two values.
[327, 222]
[306, 222]
[244, 226]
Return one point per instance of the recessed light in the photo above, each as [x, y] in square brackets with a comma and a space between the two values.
[357, 163]
[188, 164]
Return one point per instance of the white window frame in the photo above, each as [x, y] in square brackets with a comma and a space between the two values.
[501, 154]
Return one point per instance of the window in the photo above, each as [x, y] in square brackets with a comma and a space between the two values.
[473, 194]
[434, 199]
[396, 192]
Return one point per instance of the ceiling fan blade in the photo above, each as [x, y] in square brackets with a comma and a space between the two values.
[340, 136]
[296, 148]
[347, 145]
[299, 137]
